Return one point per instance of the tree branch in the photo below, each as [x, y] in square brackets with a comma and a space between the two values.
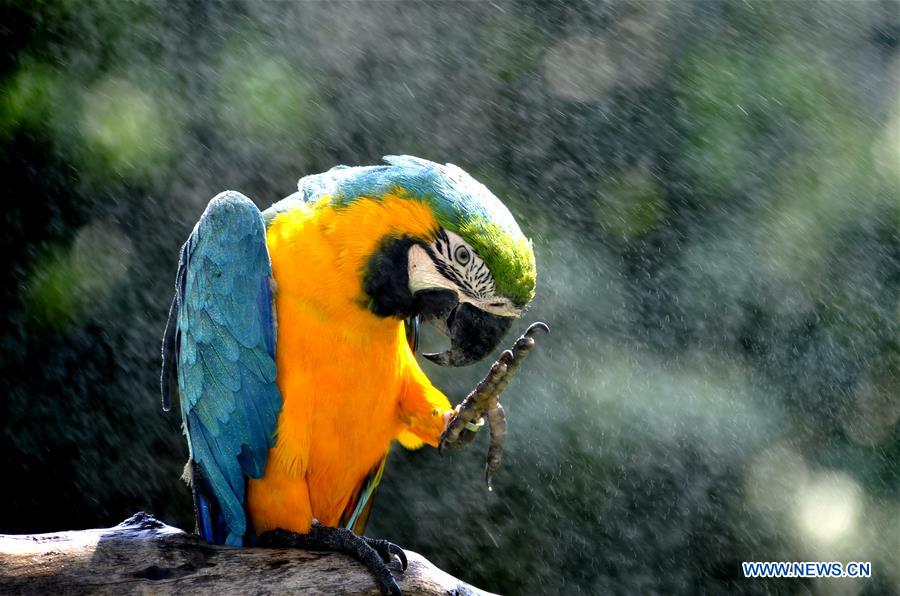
[143, 555]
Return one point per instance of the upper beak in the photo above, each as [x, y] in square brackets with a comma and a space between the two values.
[473, 334]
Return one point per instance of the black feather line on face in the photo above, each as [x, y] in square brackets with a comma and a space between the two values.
[469, 287]
[442, 243]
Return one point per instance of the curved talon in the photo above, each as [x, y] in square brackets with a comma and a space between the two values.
[387, 550]
[537, 326]
[396, 550]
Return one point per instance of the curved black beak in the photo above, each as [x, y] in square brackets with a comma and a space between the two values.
[473, 334]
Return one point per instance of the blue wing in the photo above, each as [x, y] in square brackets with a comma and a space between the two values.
[219, 352]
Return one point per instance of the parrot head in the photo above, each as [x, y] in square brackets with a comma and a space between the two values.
[455, 290]
[470, 275]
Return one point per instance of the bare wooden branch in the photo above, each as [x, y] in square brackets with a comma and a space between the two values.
[144, 555]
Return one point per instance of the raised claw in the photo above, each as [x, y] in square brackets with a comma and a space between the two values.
[484, 400]
[536, 326]
[474, 405]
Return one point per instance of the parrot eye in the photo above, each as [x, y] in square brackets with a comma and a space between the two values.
[462, 255]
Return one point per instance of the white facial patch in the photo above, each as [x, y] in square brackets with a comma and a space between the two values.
[423, 274]
[450, 263]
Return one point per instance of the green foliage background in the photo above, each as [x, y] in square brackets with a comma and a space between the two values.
[713, 191]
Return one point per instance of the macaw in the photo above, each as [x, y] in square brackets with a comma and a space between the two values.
[290, 343]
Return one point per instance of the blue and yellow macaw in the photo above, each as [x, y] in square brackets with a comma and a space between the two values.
[287, 346]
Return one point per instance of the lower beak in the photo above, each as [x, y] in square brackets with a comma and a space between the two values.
[473, 334]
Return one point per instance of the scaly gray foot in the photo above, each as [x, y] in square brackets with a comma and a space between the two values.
[375, 554]
[484, 401]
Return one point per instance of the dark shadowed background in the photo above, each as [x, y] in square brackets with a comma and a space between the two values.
[713, 191]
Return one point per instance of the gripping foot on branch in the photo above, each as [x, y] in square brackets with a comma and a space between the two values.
[484, 401]
[373, 553]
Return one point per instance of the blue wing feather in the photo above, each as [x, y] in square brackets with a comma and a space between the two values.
[225, 360]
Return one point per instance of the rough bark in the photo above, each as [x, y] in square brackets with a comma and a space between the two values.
[144, 555]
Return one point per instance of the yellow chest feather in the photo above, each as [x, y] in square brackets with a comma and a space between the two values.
[341, 369]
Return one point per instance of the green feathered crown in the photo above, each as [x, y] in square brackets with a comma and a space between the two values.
[460, 204]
